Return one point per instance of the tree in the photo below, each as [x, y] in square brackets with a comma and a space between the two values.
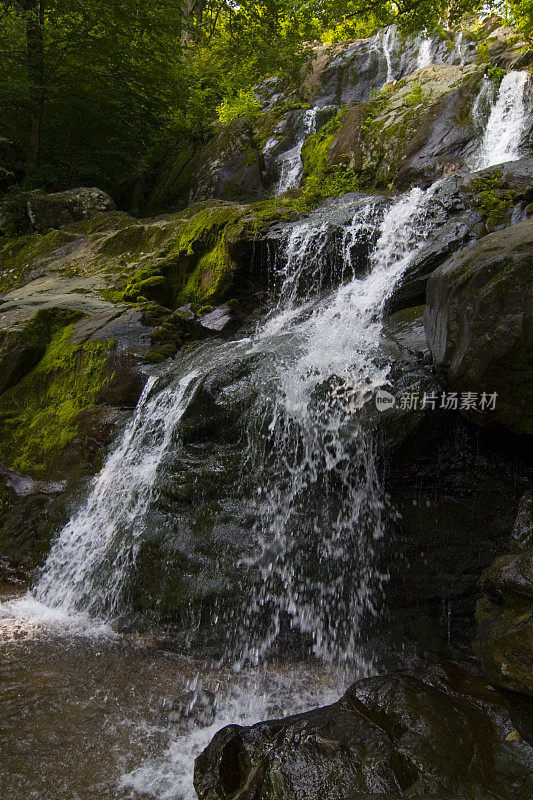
[85, 85]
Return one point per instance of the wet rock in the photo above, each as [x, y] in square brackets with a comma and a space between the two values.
[347, 74]
[23, 485]
[504, 638]
[522, 536]
[518, 176]
[285, 135]
[479, 323]
[229, 167]
[47, 211]
[453, 235]
[437, 731]
[409, 134]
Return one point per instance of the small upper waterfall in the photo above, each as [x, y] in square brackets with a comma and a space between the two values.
[506, 122]
[389, 40]
[290, 162]
[424, 57]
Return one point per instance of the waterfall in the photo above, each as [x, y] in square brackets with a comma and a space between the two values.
[314, 446]
[424, 58]
[290, 162]
[389, 41]
[460, 47]
[89, 564]
[310, 477]
[507, 120]
[320, 504]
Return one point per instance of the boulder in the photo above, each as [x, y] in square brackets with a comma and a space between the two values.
[48, 211]
[438, 731]
[504, 639]
[452, 236]
[413, 131]
[228, 167]
[479, 323]
[452, 501]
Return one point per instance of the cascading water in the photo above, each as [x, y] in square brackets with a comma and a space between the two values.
[388, 41]
[290, 162]
[506, 122]
[317, 499]
[316, 448]
[88, 566]
[424, 58]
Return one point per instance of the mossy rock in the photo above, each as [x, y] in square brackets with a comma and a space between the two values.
[396, 137]
[39, 414]
[21, 257]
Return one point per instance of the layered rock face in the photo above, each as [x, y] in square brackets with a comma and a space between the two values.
[479, 322]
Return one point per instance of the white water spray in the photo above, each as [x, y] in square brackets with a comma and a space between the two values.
[308, 530]
[389, 41]
[90, 562]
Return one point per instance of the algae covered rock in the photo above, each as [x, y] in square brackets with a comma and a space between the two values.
[228, 167]
[438, 731]
[479, 323]
[412, 131]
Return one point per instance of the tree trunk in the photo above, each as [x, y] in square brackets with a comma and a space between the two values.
[36, 78]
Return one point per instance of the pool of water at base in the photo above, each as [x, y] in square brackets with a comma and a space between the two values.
[86, 714]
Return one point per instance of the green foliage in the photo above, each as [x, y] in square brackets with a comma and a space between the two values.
[243, 104]
[110, 71]
[496, 74]
[494, 199]
[101, 93]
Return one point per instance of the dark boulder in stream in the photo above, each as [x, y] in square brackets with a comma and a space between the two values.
[439, 731]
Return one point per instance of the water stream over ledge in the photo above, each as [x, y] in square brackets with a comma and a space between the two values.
[313, 561]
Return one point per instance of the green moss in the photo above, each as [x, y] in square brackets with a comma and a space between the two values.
[212, 277]
[39, 415]
[375, 107]
[493, 197]
[20, 256]
[496, 74]
[315, 150]
[265, 123]
[415, 96]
